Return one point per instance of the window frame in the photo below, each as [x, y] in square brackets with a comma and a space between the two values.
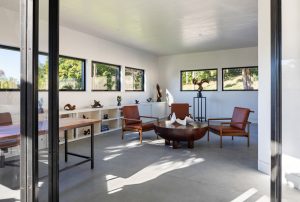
[118, 77]
[191, 70]
[252, 67]
[12, 48]
[46, 54]
[143, 80]
[84, 71]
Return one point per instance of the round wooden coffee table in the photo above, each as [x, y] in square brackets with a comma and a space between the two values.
[176, 132]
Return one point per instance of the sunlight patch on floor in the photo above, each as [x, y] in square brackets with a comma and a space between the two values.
[263, 199]
[115, 184]
[9, 194]
[112, 156]
[246, 195]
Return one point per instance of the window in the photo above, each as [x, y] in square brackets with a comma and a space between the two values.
[105, 77]
[10, 68]
[240, 78]
[71, 73]
[134, 79]
[187, 77]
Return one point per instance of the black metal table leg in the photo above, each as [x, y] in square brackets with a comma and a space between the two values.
[2, 160]
[66, 145]
[205, 110]
[92, 146]
[201, 112]
[198, 109]
[194, 109]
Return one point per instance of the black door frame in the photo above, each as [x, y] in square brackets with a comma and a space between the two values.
[29, 15]
[29, 96]
[53, 100]
[276, 102]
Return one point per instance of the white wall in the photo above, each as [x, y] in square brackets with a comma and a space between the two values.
[290, 87]
[264, 94]
[81, 45]
[220, 103]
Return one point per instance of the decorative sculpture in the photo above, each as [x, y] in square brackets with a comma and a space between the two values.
[159, 95]
[69, 107]
[137, 102]
[40, 106]
[96, 104]
[149, 99]
[87, 132]
[119, 99]
[200, 83]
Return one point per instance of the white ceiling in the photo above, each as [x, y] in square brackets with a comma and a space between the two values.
[163, 27]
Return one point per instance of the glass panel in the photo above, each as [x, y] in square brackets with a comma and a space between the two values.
[134, 79]
[210, 75]
[243, 78]
[10, 71]
[290, 100]
[106, 77]
[43, 105]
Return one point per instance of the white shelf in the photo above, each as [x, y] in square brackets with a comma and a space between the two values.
[111, 130]
[111, 119]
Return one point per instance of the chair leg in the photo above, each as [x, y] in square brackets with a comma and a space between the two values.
[232, 137]
[221, 141]
[141, 136]
[248, 140]
[208, 135]
[2, 159]
[122, 134]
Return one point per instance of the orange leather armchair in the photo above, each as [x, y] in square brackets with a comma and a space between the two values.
[181, 110]
[132, 121]
[6, 120]
[237, 125]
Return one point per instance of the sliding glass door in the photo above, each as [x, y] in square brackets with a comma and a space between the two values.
[290, 100]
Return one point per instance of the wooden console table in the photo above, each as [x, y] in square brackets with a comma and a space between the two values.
[65, 124]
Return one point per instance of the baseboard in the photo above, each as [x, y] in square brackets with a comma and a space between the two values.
[264, 167]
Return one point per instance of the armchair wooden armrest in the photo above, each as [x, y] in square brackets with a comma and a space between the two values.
[217, 119]
[136, 120]
[227, 123]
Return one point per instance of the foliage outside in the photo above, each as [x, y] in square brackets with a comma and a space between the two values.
[106, 77]
[8, 83]
[134, 79]
[240, 79]
[188, 76]
[70, 74]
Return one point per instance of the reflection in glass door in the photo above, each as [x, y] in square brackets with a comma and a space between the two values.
[10, 82]
[290, 100]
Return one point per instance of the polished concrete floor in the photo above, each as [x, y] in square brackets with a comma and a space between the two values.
[127, 171]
